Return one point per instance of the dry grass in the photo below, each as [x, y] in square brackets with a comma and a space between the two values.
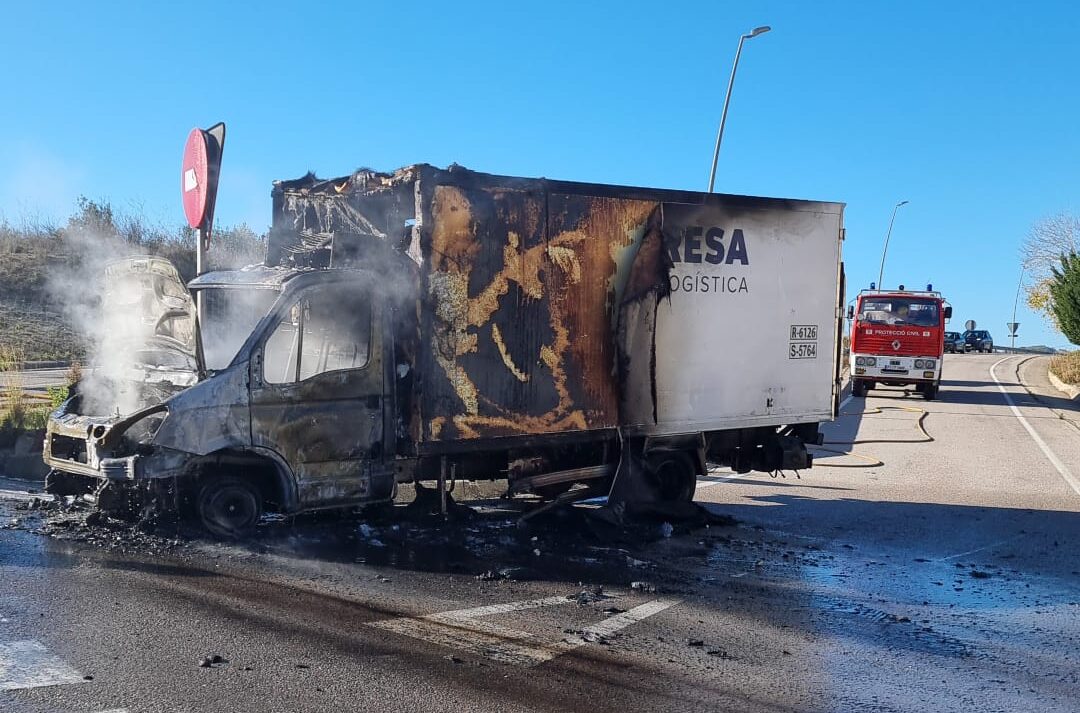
[1067, 367]
[17, 411]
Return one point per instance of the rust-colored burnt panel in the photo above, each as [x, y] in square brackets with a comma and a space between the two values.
[593, 241]
[492, 329]
[524, 289]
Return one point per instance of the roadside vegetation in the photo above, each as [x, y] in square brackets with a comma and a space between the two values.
[33, 324]
[1050, 241]
[18, 410]
[1067, 367]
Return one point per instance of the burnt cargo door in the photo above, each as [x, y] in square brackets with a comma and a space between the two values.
[317, 393]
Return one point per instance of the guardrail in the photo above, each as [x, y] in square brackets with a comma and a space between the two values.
[1021, 350]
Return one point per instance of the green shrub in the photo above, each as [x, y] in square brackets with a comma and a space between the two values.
[57, 395]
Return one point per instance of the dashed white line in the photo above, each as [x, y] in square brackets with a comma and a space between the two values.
[495, 609]
[460, 629]
[709, 481]
[1050, 455]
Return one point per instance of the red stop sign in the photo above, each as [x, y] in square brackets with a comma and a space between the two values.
[195, 178]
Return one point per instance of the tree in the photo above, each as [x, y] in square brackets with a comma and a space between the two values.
[1040, 253]
[1065, 296]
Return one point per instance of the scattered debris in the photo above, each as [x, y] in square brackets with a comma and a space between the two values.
[587, 596]
[647, 587]
[695, 642]
[979, 574]
[213, 661]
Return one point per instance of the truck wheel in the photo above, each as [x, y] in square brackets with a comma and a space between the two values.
[858, 387]
[929, 392]
[673, 474]
[229, 507]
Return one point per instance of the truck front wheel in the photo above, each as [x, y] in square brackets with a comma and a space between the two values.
[858, 387]
[229, 507]
[929, 391]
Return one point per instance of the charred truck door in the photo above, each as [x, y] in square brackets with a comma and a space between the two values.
[317, 392]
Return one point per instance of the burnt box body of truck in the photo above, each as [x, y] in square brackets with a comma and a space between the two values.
[529, 329]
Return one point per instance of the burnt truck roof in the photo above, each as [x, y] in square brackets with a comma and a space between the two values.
[332, 222]
[370, 181]
[252, 276]
[272, 278]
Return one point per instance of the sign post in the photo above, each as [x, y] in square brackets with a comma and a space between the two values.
[198, 188]
[1012, 332]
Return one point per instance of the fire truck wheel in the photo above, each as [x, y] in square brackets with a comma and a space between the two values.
[929, 392]
[229, 507]
[858, 387]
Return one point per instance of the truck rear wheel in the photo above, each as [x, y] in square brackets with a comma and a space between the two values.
[229, 507]
[673, 474]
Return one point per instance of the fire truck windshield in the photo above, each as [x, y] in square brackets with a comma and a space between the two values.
[900, 310]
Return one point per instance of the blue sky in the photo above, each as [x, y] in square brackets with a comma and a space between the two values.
[969, 110]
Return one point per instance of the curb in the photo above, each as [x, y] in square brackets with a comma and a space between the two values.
[1069, 389]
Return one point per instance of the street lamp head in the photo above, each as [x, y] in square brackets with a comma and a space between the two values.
[902, 203]
[759, 31]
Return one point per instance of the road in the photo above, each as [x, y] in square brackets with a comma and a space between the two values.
[932, 566]
[35, 380]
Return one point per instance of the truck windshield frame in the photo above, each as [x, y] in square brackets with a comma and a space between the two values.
[229, 317]
[900, 310]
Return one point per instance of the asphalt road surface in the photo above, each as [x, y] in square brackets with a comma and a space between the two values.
[932, 566]
[40, 379]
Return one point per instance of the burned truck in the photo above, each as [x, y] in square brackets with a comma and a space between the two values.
[434, 324]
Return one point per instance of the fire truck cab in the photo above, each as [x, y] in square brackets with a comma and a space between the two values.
[897, 339]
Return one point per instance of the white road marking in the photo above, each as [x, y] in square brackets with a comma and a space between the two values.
[980, 549]
[709, 481]
[28, 664]
[1061, 468]
[495, 609]
[20, 495]
[460, 629]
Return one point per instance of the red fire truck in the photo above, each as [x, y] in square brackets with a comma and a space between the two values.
[897, 338]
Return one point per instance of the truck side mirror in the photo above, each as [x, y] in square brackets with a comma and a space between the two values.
[948, 311]
[851, 312]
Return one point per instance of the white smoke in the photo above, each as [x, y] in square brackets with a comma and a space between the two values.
[106, 315]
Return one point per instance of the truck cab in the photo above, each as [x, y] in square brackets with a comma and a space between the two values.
[897, 339]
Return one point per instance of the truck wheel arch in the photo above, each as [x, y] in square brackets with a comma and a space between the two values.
[279, 487]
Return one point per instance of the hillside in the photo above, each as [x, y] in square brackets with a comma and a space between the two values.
[39, 261]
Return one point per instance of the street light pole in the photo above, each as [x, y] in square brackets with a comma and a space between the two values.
[727, 98]
[1012, 332]
[881, 272]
